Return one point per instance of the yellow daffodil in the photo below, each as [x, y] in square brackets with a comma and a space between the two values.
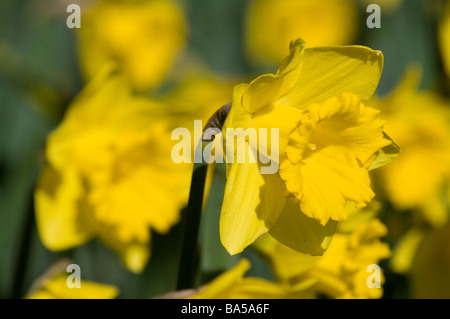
[109, 174]
[444, 37]
[53, 285]
[141, 37]
[270, 25]
[420, 122]
[328, 139]
[342, 270]
[233, 285]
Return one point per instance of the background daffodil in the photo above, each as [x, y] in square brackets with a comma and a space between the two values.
[270, 26]
[420, 122]
[53, 285]
[328, 139]
[109, 175]
[233, 285]
[141, 37]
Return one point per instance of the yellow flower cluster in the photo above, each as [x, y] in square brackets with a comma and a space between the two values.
[109, 174]
[342, 272]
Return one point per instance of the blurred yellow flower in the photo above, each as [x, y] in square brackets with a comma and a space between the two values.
[197, 97]
[342, 270]
[141, 37]
[327, 141]
[405, 250]
[420, 122]
[110, 174]
[270, 25]
[233, 285]
[444, 36]
[53, 285]
[56, 288]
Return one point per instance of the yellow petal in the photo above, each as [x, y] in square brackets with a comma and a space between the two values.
[405, 250]
[56, 288]
[285, 262]
[252, 203]
[258, 288]
[135, 257]
[333, 148]
[328, 183]
[418, 121]
[237, 117]
[261, 92]
[283, 118]
[299, 232]
[133, 254]
[60, 214]
[331, 71]
[224, 282]
[233, 285]
[267, 88]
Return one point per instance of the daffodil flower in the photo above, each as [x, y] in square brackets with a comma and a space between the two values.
[328, 140]
[270, 25]
[53, 285]
[420, 122]
[141, 37]
[109, 174]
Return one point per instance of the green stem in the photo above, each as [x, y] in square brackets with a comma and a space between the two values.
[24, 248]
[189, 253]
